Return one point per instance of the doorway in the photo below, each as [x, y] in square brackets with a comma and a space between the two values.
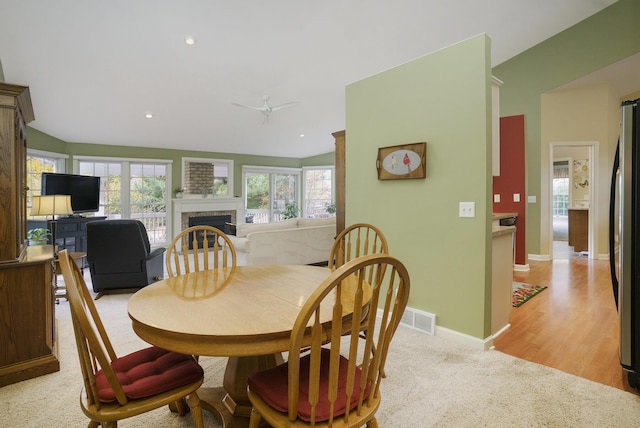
[560, 197]
[573, 180]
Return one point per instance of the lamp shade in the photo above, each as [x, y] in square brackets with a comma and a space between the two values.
[51, 205]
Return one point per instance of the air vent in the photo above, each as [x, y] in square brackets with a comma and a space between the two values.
[419, 320]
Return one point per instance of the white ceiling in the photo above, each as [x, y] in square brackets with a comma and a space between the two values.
[96, 67]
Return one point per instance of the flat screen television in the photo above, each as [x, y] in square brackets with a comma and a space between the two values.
[83, 189]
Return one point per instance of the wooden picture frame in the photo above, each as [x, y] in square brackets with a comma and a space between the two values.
[401, 162]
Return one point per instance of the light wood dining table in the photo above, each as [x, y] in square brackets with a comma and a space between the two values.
[245, 313]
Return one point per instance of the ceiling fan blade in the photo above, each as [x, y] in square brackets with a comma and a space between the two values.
[281, 106]
[262, 109]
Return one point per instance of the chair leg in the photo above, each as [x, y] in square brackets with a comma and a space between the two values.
[254, 421]
[373, 423]
[179, 406]
[196, 410]
[93, 424]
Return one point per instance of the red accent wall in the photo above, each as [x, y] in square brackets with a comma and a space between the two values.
[512, 179]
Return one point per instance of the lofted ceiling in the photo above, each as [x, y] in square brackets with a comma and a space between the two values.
[96, 68]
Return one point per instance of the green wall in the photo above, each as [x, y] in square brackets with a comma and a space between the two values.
[41, 141]
[594, 43]
[444, 99]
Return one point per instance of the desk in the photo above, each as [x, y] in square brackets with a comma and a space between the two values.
[245, 314]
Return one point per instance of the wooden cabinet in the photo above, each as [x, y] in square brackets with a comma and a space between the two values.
[579, 229]
[27, 336]
[27, 317]
[15, 112]
[71, 233]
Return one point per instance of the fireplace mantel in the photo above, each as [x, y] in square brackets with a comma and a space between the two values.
[189, 205]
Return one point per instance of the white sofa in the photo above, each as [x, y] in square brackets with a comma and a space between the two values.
[292, 241]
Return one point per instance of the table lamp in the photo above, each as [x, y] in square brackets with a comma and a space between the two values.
[51, 205]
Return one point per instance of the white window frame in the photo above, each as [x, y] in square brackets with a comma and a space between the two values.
[230, 167]
[256, 169]
[125, 180]
[59, 159]
[304, 184]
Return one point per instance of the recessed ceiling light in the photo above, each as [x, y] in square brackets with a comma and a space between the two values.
[148, 115]
[190, 40]
[301, 135]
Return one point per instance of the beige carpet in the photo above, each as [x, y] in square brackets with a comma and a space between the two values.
[431, 383]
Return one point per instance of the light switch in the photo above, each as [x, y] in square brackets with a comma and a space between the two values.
[516, 197]
[496, 197]
[531, 199]
[467, 209]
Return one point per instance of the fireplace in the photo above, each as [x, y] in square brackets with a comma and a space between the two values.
[217, 221]
[185, 208]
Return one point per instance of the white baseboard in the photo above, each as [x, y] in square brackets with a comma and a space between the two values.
[464, 339]
[540, 257]
[521, 268]
[502, 330]
[425, 322]
[546, 257]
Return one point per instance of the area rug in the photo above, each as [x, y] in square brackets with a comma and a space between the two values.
[522, 292]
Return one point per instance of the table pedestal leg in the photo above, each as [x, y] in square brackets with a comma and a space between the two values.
[231, 402]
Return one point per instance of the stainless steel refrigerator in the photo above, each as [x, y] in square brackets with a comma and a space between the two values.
[624, 239]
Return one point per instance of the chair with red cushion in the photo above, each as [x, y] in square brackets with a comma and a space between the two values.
[337, 383]
[115, 387]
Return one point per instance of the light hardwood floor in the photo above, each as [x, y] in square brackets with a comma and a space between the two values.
[572, 325]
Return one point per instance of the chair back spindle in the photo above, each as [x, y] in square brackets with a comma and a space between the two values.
[359, 239]
[200, 248]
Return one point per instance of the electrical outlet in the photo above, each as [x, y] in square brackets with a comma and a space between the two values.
[467, 209]
[516, 197]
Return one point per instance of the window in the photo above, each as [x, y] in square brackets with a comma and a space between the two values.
[560, 193]
[136, 189]
[111, 191]
[148, 198]
[271, 194]
[318, 191]
[37, 163]
[202, 176]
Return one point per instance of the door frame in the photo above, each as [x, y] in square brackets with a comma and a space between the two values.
[594, 214]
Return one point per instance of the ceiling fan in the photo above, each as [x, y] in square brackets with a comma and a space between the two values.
[266, 109]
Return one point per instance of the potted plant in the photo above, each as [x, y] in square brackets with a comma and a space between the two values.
[178, 192]
[330, 208]
[38, 236]
[291, 210]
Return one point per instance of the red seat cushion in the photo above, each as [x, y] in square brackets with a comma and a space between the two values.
[272, 386]
[149, 372]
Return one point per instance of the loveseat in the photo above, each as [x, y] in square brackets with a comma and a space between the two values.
[292, 241]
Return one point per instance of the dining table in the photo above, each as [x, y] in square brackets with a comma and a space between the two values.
[245, 313]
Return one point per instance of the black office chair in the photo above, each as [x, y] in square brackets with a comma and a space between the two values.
[120, 256]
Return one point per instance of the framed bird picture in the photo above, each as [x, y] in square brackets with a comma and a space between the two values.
[402, 162]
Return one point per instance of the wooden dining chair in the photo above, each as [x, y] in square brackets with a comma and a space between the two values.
[357, 240]
[199, 248]
[115, 387]
[337, 382]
